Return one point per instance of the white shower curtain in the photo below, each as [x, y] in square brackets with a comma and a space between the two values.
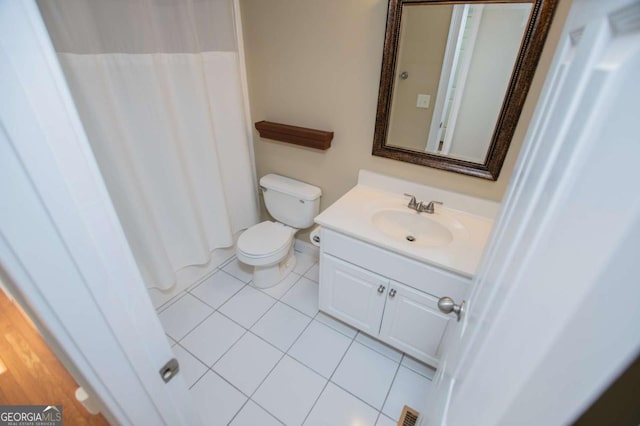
[158, 87]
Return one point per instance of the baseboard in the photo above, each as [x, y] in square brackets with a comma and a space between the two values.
[306, 247]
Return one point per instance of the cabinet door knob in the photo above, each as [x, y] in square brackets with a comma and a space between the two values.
[381, 289]
[392, 292]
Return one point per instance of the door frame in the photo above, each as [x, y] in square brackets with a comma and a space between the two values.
[63, 253]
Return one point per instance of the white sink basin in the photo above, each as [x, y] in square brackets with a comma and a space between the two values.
[413, 228]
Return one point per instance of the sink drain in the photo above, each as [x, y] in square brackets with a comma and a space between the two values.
[411, 238]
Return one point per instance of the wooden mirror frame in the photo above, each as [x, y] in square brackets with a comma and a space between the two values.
[521, 78]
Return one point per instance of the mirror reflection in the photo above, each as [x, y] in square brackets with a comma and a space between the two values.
[453, 68]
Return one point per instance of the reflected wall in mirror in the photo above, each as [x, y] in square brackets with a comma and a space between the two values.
[454, 79]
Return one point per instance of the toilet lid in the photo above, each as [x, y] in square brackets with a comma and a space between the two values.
[264, 238]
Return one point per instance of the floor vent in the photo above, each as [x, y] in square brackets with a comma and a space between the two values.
[409, 417]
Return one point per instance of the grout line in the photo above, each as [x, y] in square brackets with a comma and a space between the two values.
[381, 415]
[170, 302]
[275, 301]
[297, 309]
[225, 301]
[305, 270]
[311, 279]
[276, 364]
[380, 342]
[390, 387]
[356, 396]
[264, 409]
[334, 328]
[267, 342]
[296, 341]
[329, 379]
[306, 317]
[235, 294]
[197, 359]
[238, 412]
[353, 339]
[227, 261]
[316, 401]
[279, 283]
[226, 352]
[234, 277]
[265, 379]
[188, 289]
[196, 326]
[209, 367]
[267, 411]
[232, 320]
[200, 378]
[202, 279]
[294, 284]
[230, 384]
[404, 355]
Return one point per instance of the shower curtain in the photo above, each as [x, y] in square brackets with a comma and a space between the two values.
[158, 87]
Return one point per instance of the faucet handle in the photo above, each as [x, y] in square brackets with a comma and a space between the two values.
[413, 203]
[430, 209]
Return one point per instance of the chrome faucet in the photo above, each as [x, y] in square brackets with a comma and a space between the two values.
[419, 206]
[429, 208]
[413, 203]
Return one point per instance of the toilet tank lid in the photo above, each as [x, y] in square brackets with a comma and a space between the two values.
[290, 186]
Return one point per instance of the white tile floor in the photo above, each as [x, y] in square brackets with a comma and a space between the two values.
[269, 357]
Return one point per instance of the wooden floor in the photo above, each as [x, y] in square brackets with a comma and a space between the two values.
[31, 374]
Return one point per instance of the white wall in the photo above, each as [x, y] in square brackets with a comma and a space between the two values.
[316, 63]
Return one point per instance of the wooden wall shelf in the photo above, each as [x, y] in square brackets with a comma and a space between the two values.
[311, 138]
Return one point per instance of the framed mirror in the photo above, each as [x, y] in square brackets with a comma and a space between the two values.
[454, 79]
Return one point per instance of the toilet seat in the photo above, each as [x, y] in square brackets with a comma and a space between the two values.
[264, 243]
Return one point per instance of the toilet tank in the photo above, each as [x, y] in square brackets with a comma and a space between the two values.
[290, 201]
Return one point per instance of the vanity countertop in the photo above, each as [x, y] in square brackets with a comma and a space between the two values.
[354, 213]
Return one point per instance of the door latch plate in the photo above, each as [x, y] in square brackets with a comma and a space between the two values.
[169, 370]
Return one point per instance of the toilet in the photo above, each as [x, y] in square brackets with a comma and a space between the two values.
[268, 246]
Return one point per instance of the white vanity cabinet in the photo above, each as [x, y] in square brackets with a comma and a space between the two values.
[386, 295]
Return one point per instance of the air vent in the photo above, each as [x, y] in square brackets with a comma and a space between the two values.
[409, 417]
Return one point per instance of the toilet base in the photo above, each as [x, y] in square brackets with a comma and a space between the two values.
[269, 276]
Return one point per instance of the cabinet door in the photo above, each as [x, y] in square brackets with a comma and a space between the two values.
[413, 323]
[352, 294]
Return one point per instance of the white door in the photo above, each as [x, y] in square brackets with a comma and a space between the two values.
[63, 254]
[352, 294]
[413, 323]
[552, 315]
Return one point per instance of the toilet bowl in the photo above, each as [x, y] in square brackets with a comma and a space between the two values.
[268, 246]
